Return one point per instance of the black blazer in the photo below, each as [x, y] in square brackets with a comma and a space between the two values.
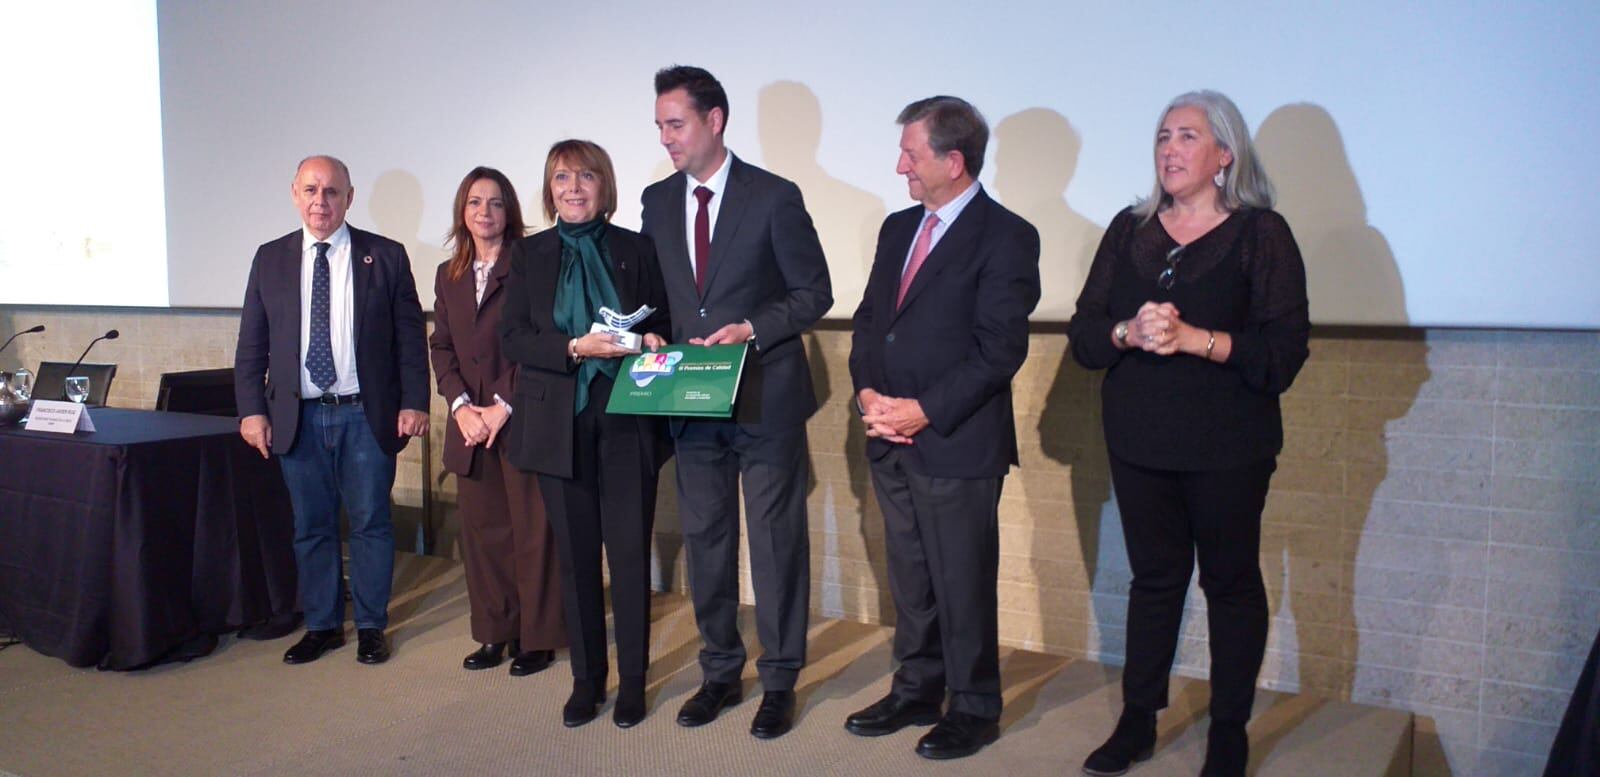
[391, 350]
[546, 379]
[958, 339]
[766, 266]
[465, 350]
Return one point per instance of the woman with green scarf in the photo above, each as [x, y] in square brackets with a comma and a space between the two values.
[597, 471]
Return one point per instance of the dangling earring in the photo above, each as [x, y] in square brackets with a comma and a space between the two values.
[1221, 177]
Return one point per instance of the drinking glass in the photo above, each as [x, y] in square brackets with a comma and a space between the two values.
[78, 388]
[22, 384]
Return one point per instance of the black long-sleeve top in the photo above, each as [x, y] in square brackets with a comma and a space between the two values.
[1180, 412]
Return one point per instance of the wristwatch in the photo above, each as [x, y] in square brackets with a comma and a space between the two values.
[1120, 333]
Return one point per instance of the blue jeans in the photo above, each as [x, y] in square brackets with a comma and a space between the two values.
[336, 460]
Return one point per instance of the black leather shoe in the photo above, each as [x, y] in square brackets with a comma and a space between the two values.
[630, 707]
[706, 703]
[313, 645]
[1133, 740]
[775, 716]
[890, 714]
[584, 703]
[529, 661]
[485, 657]
[957, 735]
[1227, 750]
[371, 647]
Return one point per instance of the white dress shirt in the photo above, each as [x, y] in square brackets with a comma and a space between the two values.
[341, 320]
[947, 216]
[717, 183]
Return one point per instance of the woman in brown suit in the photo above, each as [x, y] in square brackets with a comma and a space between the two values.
[513, 576]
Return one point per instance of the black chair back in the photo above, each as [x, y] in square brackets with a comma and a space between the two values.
[207, 392]
[51, 381]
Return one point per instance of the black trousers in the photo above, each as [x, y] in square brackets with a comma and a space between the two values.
[610, 502]
[714, 459]
[943, 540]
[1168, 520]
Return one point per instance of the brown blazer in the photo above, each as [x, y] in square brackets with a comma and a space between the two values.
[465, 350]
[546, 378]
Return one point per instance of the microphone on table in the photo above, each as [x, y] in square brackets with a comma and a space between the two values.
[109, 335]
[39, 328]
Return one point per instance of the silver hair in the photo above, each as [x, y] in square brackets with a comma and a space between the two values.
[1245, 183]
[335, 161]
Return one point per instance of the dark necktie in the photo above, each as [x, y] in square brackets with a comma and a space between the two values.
[319, 353]
[702, 239]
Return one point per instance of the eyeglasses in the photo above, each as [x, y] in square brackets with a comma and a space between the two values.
[1169, 276]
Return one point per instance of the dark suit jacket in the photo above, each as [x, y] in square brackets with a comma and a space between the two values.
[390, 345]
[766, 266]
[958, 339]
[465, 350]
[546, 379]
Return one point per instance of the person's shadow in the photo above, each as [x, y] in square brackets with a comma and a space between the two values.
[847, 218]
[395, 206]
[1036, 156]
[789, 124]
[1337, 414]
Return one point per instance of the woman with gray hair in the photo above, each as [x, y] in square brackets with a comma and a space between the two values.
[1195, 306]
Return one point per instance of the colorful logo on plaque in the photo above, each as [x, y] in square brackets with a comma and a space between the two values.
[649, 366]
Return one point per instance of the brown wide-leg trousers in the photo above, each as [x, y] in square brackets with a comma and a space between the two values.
[513, 574]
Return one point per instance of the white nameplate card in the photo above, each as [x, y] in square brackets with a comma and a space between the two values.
[47, 415]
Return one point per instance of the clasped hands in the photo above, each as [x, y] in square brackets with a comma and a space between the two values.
[481, 424]
[891, 419]
[1159, 329]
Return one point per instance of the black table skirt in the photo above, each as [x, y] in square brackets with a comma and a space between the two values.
[119, 546]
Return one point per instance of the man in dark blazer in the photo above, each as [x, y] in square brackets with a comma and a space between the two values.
[941, 330]
[331, 375]
[742, 264]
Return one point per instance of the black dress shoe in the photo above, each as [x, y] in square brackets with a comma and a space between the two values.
[957, 735]
[1227, 750]
[630, 707]
[584, 703]
[529, 661]
[313, 645]
[706, 703]
[1133, 740]
[371, 647]
[775, 716]
[890, 714]
[485, 657]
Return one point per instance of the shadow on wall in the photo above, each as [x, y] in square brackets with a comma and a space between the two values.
[1337, 420]
[789, 123]
[1035, 159]
[1351, 273]
[395, 206]
[1036, 155]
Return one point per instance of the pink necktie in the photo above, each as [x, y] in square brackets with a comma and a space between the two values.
[919, 254]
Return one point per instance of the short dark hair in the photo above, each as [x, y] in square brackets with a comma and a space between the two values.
[703, 88]
[953, 125]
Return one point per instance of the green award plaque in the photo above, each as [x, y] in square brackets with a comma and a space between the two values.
[684, 380]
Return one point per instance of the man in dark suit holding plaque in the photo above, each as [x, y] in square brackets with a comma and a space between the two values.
[331, 375]
[941, 330]
[742, 264]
